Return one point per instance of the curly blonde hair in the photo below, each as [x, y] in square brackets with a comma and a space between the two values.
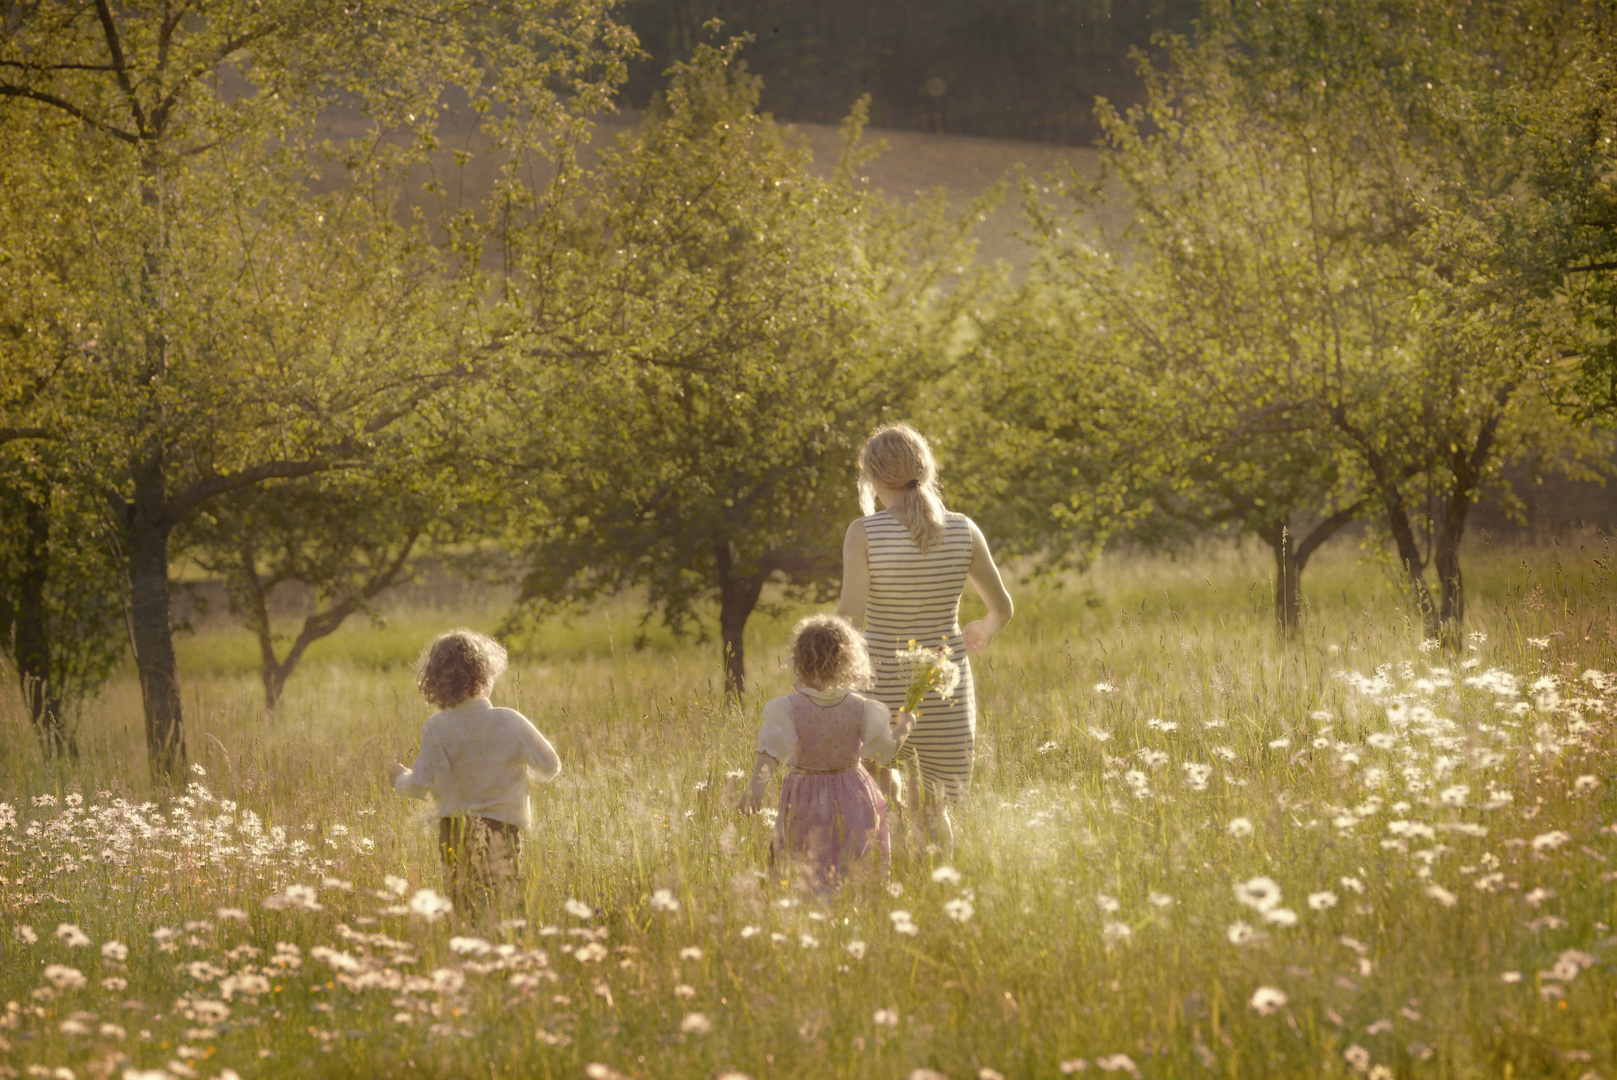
[900, 459]
[827, 651]
[457, 665]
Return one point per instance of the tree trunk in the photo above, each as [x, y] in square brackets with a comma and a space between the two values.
[32, 647]
[738, 595]
[1288, 574]
[150, 624]
[1291, 557]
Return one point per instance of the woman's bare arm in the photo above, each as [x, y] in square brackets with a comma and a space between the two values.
[984, 577]
[855, 575]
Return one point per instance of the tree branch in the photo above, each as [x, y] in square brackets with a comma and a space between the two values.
[8, 90]
[109, 29]
[224, 483]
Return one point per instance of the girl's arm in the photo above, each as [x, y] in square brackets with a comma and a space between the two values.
[984, 577]
[430, 763]
[537, 753]
[777, 742]
[882, 736]
[753, 798]
[855, 575]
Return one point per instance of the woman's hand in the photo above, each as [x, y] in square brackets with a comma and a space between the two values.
[977, 635]
[395, 770]
[752, 800]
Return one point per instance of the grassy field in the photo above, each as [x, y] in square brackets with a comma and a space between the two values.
[1190, 851]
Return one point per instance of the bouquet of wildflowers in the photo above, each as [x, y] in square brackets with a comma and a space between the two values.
[926, 669]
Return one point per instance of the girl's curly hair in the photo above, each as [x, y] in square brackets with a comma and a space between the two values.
[827, 651]
[458, 665]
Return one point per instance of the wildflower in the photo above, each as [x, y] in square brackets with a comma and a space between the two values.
[1440, 894]
[1072, 1065]
[296, 897]
[1454, 796]
[959, 909]
[1261, 893]
[63, 977]
[1158, 899]
[1099, 734]
[1585, 783]
[114, 984]
[1510, 976]
[894, 889]
[1267, 1000]
[856, 949]
[1115, 931]
[1105, 688]
[1320, 901]
[1569, 964]
[1282, 743]
[226, 914]
[1241, 933]
[808, 941]
[750, 931]
[1048, 747]
[395, 885]
[1197, 775]
[470, 946]
[1118, 1063]
[1357, 1056]
[903, 922]
[885, 1018]
[578, 909]
[1223, 752]
[1382, 740]
[1240, 827]
[1108, 904]
[691, 952]
[429, 905]
[696, 1024]
[1352, 884]
[25, 934]
[1550, 841]
[71, 935]
[946, 875]
[1164, 726]
[663, 900]
[1282, 916]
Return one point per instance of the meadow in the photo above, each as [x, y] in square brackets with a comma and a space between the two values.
[1191, 850]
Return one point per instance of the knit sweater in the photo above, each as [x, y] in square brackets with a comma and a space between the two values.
[476, 759]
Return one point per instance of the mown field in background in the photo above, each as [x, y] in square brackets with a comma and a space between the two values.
[1191, 851]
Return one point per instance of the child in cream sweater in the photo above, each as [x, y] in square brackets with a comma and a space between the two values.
[476, 761]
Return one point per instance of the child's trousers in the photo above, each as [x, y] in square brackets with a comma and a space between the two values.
[482, 862]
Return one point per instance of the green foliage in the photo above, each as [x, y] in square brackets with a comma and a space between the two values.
[690, 388]
[244, 328]
[1320, 308]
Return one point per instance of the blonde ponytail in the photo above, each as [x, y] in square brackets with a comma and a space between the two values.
[899, 458]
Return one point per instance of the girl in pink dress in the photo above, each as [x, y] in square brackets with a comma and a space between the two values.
[832, 815]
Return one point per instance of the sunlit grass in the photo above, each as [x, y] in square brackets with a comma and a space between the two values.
[1098, 871]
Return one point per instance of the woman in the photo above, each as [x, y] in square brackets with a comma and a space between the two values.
[903, 570]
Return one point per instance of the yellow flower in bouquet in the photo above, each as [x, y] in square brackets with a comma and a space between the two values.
[927, 669]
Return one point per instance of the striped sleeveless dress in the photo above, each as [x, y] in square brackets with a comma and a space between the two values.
[917, 597]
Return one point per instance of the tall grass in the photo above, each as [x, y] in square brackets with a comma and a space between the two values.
[1098, 871]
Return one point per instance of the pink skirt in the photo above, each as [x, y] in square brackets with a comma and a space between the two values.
[829, 822]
